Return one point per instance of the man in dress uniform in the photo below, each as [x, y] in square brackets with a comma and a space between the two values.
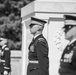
[38, 49]
[4, 57]
[68, 59]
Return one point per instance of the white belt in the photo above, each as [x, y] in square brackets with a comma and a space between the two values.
[2, 60]
[33, 61]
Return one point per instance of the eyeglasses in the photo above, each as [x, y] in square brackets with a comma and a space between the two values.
[68, 27]
[31, 25]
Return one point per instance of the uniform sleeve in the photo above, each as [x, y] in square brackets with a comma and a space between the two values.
[7, 59]
[42, 54]
[74, 73]
[73, 63]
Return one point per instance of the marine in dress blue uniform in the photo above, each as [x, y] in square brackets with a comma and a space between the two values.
[68, 59]
[4, 57]
[38, 50]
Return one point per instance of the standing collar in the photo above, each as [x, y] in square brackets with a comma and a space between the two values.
[3, 46]
[72, 41]
[37, 35]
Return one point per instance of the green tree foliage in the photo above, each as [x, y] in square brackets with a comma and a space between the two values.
[10, 21]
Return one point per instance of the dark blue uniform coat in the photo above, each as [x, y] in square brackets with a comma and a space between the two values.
[4, 59]
[68, 60]
[38, 50]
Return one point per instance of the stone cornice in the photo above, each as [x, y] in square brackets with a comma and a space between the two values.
[48, 7]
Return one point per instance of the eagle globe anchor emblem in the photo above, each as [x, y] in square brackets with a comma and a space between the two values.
[32, 48]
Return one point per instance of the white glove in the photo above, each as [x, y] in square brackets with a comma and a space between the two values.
[5, 72]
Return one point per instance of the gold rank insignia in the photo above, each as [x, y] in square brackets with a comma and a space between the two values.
[32, 48]
[41, 40]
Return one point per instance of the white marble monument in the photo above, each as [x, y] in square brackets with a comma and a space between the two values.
[52, 11]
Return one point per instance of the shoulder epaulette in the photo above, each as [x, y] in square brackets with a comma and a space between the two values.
[41, 39]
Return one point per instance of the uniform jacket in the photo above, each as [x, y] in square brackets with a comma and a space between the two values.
[4, 59]
[68, 60]
[38, 50]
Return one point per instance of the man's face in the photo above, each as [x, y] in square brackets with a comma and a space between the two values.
[3, 41]
[34, 29]
[70, 31]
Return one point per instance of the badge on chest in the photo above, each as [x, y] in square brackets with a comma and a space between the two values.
[68, 57]
[32, 48]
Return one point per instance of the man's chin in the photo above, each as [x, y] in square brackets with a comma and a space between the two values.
[32, 33]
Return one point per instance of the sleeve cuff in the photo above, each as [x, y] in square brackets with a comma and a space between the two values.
[6, 68]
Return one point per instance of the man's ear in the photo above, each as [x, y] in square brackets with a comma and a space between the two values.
[75, 30]
[39, 27]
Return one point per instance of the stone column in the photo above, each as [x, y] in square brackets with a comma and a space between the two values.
[24, 51]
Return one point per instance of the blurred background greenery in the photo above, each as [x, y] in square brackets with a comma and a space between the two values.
[10, 21]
